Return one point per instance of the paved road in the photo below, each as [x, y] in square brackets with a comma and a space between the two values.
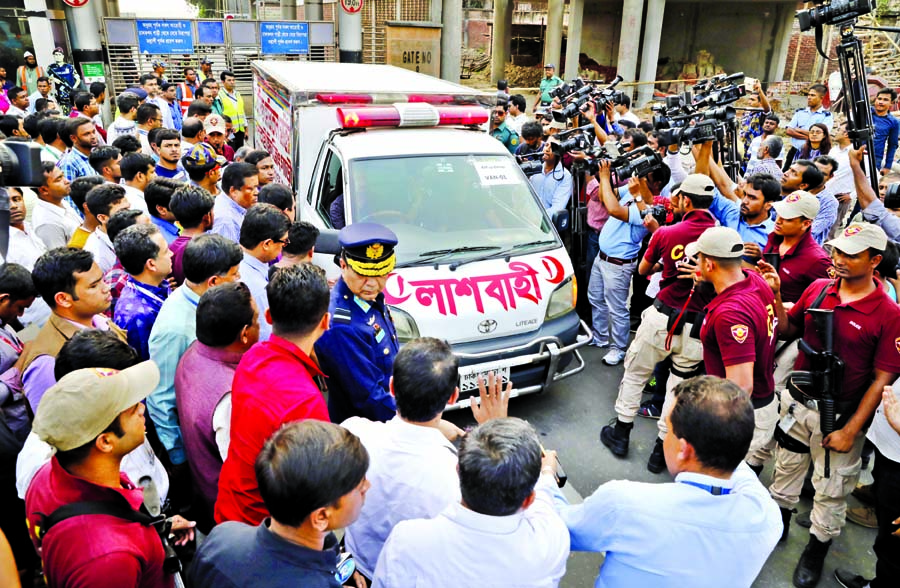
[569, 418]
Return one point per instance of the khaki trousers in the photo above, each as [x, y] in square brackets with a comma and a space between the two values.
[830, 503]
[648, 349]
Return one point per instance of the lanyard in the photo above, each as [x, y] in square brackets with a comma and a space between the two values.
[12, 340]
[714, 490]
[144, 291]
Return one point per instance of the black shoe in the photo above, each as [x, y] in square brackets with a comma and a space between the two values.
[657, 461]
[804, 519]
[850, 580]
[615, 437]
[757, 469]
[809, 568]
[786, 522]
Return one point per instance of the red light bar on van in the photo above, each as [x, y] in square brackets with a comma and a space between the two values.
[462, 115]
[344, 98]
[419, 115]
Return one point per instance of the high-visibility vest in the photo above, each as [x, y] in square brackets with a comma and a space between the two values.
[233, 107]
[187, 96]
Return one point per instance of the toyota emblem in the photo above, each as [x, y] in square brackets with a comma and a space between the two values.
[487, 326]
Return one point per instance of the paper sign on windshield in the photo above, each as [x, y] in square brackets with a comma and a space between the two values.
[496, 172]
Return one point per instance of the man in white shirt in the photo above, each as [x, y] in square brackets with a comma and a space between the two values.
[412, 464]
[44, 90]
[53, 219]
[517, 117]
[714, 526]
[504, 532]
[24, 249]
[137, 170]
[104, 201]
[623, 111]
[841, 185]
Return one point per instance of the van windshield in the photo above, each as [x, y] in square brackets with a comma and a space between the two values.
[450, 207]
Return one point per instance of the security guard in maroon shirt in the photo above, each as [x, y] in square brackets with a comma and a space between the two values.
[800, 261]
[867, 338]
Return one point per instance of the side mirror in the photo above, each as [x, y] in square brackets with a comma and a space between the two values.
[327, 242]
[560, 221]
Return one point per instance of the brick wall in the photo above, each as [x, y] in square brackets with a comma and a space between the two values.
[805, 43]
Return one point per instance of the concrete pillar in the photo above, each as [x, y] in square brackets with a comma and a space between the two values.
[573, 39]
[553, 37]
[451, 38]
[312, 9]
[84, 25]
[630, 38]
[350, 36]
[783, 20]
[500, 37]
[288, 9]
[650, 53]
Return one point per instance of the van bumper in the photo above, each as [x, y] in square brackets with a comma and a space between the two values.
[535, 359]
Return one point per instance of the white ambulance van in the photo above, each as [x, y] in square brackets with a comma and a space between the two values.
[479, 262]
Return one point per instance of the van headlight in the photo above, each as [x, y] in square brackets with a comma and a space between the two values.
[563, 299]
[406, 327]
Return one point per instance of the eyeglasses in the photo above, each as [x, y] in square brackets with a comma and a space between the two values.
[159, 120]
[285, 241]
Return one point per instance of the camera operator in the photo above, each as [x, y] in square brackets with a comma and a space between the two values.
[597, 214]
[532, 138]
[866, 330]
[665, 326]
[619, 244]
[745, 209]
[753, 123]
[873, 208]
[499, 130]
[554, 184]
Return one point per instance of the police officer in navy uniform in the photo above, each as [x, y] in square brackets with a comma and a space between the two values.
[357, 352]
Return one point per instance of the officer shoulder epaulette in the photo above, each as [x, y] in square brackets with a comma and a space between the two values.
[341, 316]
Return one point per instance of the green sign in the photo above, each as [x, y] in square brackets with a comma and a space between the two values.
[93, 70]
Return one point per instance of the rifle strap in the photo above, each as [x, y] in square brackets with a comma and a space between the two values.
[121, 510]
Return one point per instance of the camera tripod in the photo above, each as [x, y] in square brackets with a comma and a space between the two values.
[855, 105]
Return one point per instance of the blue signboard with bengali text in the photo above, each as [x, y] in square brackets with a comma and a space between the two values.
[165, 37]
[285, 38]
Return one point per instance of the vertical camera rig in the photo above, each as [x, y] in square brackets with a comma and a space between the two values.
[856, 106]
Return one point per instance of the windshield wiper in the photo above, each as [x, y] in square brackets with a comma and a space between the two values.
[429, 256]
[503, 253]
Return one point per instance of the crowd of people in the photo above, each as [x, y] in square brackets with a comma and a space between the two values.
[182, 388]
[727, 281]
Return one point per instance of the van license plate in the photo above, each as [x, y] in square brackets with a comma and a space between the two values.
[468, 375]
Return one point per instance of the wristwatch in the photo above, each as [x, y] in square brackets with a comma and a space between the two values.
[638, 198]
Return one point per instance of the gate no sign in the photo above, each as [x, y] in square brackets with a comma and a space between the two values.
[349, 6]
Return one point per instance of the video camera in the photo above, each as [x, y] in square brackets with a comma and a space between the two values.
[576, 94]
[699, 115]
[835, 12]
[20, 165]
[531, 163]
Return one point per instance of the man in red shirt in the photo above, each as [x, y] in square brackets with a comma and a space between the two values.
[867, 338]
[93, 418]
[802, 261]
[273, 385]
[666, 325]
[738, 333]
